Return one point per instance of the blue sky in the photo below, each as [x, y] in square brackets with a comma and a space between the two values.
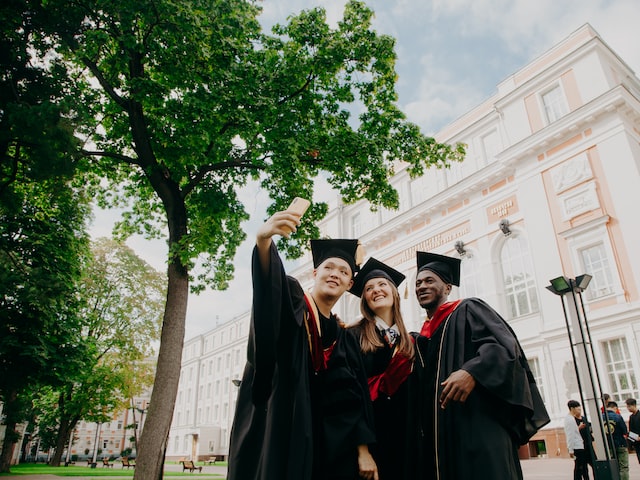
[452, 54]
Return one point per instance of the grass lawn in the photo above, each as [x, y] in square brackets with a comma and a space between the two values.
[85, 471]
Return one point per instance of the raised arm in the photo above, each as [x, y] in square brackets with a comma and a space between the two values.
[282, 223]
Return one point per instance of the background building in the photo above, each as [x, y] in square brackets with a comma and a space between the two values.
[550, 186]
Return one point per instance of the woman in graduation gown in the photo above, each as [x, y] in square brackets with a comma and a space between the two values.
[388, 353]
[302, 411]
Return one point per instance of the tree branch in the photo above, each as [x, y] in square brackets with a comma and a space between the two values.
[304, 86]
[114, 155]
[104, 83]
[204, 170]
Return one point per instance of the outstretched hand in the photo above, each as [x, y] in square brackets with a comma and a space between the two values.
[280, 223]
[456, 388]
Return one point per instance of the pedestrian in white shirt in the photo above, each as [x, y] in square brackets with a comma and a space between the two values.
[573, 424]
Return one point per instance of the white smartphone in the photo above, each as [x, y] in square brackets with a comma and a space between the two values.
[298, 205]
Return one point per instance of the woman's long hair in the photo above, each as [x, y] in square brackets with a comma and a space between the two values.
[370, 339]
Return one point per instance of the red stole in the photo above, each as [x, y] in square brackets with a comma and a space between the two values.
[394, 375]
[441, 314]
[319, 356]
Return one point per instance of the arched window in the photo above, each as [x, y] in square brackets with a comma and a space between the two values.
[518, 278]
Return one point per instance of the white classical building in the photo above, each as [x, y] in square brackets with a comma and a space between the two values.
[549, 187]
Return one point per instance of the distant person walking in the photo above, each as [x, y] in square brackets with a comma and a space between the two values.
[573, 425]
[616, 430]
[634, 425]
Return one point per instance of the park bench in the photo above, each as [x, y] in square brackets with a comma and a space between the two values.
[214, 459]
[189, 465]
[105, 462]
[127, 463]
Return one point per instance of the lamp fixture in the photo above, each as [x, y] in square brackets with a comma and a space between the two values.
[562, 285]
[459, 246]
[504, 227]
[582, 282]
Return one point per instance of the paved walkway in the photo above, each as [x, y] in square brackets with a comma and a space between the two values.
[562, 469]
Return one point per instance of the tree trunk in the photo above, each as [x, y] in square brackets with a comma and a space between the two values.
[64, 432]
[153, 439]
[150, 460]
[10, 434]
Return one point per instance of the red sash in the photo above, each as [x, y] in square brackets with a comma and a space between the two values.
[393, 376]
[441, 314]
[319, 356]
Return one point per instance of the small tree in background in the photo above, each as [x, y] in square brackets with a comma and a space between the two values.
[123, 299]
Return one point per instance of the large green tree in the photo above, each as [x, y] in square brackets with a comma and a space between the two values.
[122, 304]
[184, 102]
[41, 218]
[42, 243]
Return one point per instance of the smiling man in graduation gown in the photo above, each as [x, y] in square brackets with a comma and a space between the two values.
[303, 410]
[480, 399]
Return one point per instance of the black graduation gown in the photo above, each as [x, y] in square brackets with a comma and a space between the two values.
[504, 410]
[292, 423]
[398, 434]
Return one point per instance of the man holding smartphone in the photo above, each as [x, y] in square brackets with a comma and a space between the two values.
[303, 408]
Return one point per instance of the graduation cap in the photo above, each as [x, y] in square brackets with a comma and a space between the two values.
[375, 269]
[447, 268]
[338, 248]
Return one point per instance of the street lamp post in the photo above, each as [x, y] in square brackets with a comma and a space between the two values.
[570, 292]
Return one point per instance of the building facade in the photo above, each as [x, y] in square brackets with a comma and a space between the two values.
[549, 187]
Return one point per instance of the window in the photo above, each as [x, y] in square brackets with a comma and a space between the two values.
[596, 263]
[491, 146]
[356, 225]
[422, 188]
[470, 280]
[554, 103]
[619, 368]
[534, 365]
[454, 173]
[519, 283]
